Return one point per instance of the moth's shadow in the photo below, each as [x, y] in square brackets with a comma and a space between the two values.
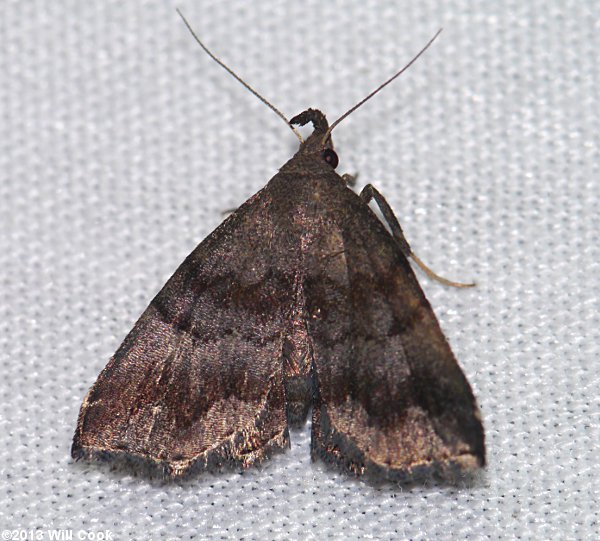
[120, 467]
[124, 467]
[423, 481]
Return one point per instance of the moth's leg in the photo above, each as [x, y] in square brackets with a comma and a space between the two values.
[368, 193]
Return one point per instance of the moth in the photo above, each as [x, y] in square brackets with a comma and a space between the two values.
[301, 300]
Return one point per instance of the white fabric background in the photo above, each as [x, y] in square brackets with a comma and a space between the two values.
[121, 145]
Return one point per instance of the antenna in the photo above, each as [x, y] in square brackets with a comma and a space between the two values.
[232, 73]
[380, 87]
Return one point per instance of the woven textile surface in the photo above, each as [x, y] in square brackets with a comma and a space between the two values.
[123, 144]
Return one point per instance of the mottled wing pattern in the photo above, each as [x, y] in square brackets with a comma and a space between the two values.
[198, 381]
[390, 399]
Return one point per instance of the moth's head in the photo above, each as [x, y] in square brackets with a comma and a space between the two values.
[319, 143]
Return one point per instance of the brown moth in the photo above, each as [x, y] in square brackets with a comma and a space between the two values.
[300, 299]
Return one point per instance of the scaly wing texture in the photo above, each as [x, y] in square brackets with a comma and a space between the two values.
[390, 399]
[198, 381]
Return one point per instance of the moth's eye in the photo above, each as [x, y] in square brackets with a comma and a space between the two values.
[330, 157]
